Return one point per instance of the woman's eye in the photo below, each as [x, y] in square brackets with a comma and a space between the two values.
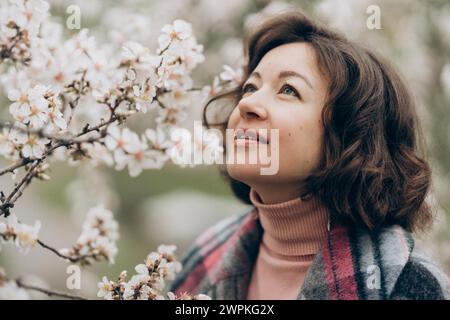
[248, 88]
[287, 89]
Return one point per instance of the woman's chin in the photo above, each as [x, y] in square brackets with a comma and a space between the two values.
[245, 172]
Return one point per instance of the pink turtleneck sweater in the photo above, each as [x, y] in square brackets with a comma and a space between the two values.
[293, 232]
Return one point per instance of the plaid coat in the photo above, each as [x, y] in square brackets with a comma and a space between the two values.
[351, 264]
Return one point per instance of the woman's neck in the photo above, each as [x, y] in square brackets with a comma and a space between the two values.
[279, 193]
[295, 227]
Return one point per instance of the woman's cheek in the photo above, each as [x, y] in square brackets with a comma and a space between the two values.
[289, 148]
[298, 150]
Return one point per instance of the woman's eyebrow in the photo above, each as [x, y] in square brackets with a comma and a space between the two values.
[285, 74]
[288, 74]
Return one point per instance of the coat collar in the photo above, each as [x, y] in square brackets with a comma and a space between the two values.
[352, 263]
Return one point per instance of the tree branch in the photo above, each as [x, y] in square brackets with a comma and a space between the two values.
[42, 134]
[15, 166]
[18, 190]
[50, 293]
[55, 251]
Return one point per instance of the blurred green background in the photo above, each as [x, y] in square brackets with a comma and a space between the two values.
[174, 205]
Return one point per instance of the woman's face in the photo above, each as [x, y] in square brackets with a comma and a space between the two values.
[285, 92]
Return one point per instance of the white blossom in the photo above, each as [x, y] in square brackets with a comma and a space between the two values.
[28, 103]
[101, 218]
[56, 120]
[105, 289]
[139, 157]
[59, 87]
[144, 95]
[116, 139]
[132, 151]
[23, 236]
[150, 279]
[139, 56]
[32, 146]
[171, 115]
[167, 250]
[6, 146]
[98, 239]
[99, 154]
[36, 107]
[26, 236]
[158, 139]
[179, 30]
[33, 13]
[231, 75]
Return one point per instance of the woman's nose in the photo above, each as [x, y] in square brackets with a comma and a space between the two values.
[252, 107]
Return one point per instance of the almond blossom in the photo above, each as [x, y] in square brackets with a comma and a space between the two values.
[171, 115]
[180, 30]
[105, 289]
[138, 56]
[32, 13]
[180, 54]
[6, 145]
[98, 238]
[116, 139]
[37, 107]
[145, 94]
[99, 154]
[70, 100]
[231, 75]
[19, 26]
[29, 105]
[132, 151]
[31, 145]
[149, 281]
[22, 235]
[158, 139]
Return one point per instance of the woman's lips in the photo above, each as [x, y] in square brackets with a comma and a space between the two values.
[247, 136]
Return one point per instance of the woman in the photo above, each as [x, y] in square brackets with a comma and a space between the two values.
[336, 220]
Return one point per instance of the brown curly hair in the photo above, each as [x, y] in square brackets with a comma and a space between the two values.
[371, 172]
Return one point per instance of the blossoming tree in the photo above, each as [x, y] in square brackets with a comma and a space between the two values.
[70, 100]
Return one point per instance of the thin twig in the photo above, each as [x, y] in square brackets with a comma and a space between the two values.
[195, 89]
[15, 165]
[71, 259]
[161, 104]
[17, 192]
[42, 134]
[38, 132]
[61, 142]
[50, 293]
